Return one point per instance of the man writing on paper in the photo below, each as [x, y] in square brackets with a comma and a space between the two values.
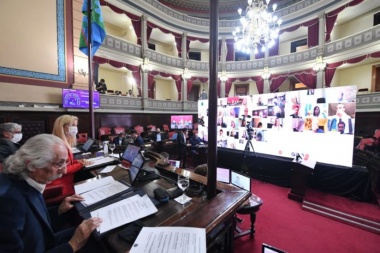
[25, 224]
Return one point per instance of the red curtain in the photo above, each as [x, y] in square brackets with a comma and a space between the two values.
[230, 49]
[276, 81]
[312, 33]
[190, 38]
[150, 84]
[189, 85]
[332, 16]
[259, 83]
[136, 20]
[307, 77]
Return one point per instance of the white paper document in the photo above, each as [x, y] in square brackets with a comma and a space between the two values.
[75, 150]
[108, 169]
[170, 240]
[98, 194]
[99, 160]
[91, 185]
[123, 212]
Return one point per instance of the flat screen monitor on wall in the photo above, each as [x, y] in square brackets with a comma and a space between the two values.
[318, 124]
[79, 99]
[181, 121]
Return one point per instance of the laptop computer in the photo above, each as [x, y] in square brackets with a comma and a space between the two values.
[86, 147]
[270, 249]
[130, 153]
[241, 181]
[223, 175]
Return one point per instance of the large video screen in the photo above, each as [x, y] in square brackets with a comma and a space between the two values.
[181, 121]
[79, 99]
[318, 124]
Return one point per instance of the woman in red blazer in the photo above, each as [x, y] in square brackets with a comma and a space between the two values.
[66, 128]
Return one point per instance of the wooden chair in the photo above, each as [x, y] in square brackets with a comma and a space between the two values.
[104, 132]
[118, 130]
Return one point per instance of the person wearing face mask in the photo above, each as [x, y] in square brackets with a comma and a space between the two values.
[66, 128]
[10, 135]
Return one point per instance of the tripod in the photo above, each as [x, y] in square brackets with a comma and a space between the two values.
[248, 145]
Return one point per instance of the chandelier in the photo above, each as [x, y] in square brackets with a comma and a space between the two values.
[259, 27]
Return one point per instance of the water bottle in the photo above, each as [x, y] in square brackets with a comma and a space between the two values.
[105, 148]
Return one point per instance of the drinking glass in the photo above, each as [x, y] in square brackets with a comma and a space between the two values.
[112, 147]
[183, 183]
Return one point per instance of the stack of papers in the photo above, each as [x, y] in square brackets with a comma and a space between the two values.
[170, 240]
[123, 212]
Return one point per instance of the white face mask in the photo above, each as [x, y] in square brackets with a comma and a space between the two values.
[16, 138]
[73, 130]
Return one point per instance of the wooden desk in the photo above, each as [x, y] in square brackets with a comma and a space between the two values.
[216, 215]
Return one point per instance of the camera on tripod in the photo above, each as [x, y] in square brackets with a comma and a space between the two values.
[249, 130]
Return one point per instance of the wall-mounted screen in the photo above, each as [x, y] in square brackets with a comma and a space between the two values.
[181, 121]
[79, 99]
[319, 124]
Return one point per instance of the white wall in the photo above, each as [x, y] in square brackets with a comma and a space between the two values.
[166, 89]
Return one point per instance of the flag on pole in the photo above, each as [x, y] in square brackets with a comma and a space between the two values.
[97, 28]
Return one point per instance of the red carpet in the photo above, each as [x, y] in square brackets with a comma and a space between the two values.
[282, 223]
[359, 214]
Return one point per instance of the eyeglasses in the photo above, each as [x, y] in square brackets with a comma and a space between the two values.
[60, 165]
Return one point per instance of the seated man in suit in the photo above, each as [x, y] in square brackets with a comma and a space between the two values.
[10, 135]
[159, 137]
[25, 224]
[120, 139]
[137, 140]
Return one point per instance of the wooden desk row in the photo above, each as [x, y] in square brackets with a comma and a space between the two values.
[216, 215]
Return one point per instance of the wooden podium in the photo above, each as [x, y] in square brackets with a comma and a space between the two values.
[300, 173]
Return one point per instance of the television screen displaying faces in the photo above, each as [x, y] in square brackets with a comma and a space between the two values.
[319, 124]
[130, 153]
[223, 175]
[79, 99]
[181, 121]
[241, 181]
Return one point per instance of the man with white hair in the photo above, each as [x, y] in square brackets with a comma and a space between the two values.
[10, 135]
[25, 224]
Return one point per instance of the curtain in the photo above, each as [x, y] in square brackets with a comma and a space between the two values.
[190, 38]
[313, 33]
[136, 20]
[332, 16]
[137, 76]
[189, 85]
[276, 81]
[150, 85]
[95, 72]
[178, 41]
[230, 49]
[229, 85]
[307, 77]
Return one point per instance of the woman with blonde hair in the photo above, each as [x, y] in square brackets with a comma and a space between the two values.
[66, 128]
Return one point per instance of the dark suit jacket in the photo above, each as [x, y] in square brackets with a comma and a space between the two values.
[24, 220]
[163, 136]
[181, 141]
[139, 141]
[7, 148]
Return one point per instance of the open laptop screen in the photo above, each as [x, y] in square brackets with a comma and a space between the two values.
[241, 181]
[130, 153]
[223, 175]
[87, 145]
[138, 161]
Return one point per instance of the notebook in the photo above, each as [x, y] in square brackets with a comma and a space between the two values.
[241, 181]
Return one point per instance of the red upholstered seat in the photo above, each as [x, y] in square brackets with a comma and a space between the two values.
[82, 138]
[104, 131]
[118, 130]
[165, 127]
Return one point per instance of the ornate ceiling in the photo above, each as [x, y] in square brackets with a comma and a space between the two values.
[227, 8]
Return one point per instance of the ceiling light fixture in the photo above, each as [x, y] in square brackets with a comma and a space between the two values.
[259, 27]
